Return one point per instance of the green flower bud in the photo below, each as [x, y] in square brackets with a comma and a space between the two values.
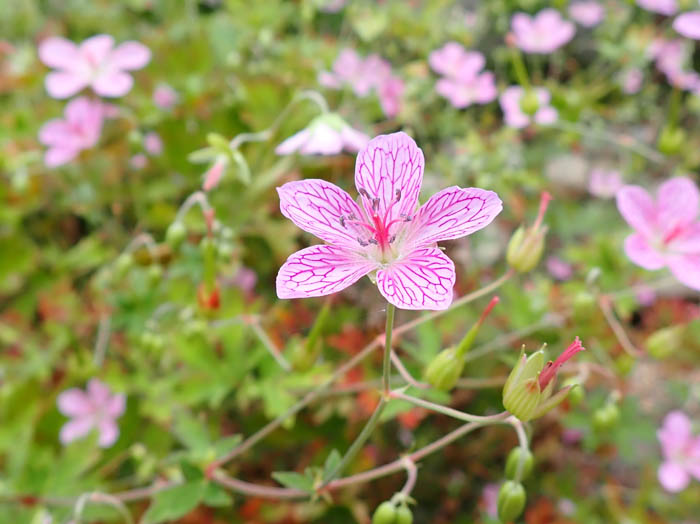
[663, 342]
[445, 369]
[155, 274]
[527, 244]
[175, 234]
[529, 102]
[577, 393]
[606, 417]
[384, 514]
[511, 501]
[403, 515]
[513, 462]
[123, 264]
[671, 140]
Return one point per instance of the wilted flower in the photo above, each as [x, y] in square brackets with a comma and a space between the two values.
[79, 129]
[164, 96]
[544, 33]
[95, 63]
[688, 25]
[386, 233]
[514, 116]
[663, 7]
[464, 82]
[152, 143]
[667, 230]
[327, 134]
[681, 452]
[95, 408]
[588, 13]
[604, 183]
[527, 393]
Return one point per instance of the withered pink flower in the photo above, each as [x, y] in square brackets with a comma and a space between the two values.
[95, 63]
[681, 451]
[386, 234]
[327, 134]
[514, 115]
[464, 83]
[667, 229]
[95, 408]
[543, 33]
[663, 7]
[79, 129]
[588, 13]
[688, 25]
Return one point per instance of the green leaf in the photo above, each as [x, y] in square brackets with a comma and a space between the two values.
[292, 479]
[331, 463]
[216, 496]
[175, 502]
[225, 445]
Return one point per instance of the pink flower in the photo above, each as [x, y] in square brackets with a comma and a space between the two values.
[390, 92]
[453, 61]
[213, 175]
[489, 499]
[95, 408]
[688, 25]
[331, 6]
[386, 234]
[164, 96]
[681, 452]
[464, 83]
[79, 129]
[604, 183]
[544, 33]
[138, 161]
[632, 81]
[95, 63]
[327, 134]
[588, 13]
[514, 115]
[558, 268]
[671, 57]
[663, 7]
[667, 230]
[153, 144]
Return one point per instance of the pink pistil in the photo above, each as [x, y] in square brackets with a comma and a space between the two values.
[544, 202]
[550, 370]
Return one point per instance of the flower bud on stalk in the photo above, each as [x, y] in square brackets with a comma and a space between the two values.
[529, 102]
[446, 368]
[527, 244]
[511, 501]
[527, 393]
[513, 461]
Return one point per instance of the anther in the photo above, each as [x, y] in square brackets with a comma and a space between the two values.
[364, 193]
[341, 218]
[406, 218]
[391, 240]
[375, 204]
[362, 242]
[398, 195]
[373, 241]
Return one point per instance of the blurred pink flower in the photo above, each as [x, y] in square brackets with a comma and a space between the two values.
[663, 7]
[588, 13]
[489, 499]
[245, 279]
[164, 96]
[213, 175]
[152, 143]
[514, 116]
[544, 33]
[331, 6]
[645, 295]
[671, 57]
[95, 408]
[667, 230]
[632, 81]
[385, 234]
[558, 268]
[138, 161]
[390, 92]
[327, 134]
[95, 63]
[604, 183]
[79, 129]
[688, 25]
[464, 83]
[453, 61]
[681, 452]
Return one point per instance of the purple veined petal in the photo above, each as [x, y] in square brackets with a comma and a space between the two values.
[453, 213]
[320, 270]
[112, 84]
[322, 209]
[323, 140]
[61, 84]
[686, 268]
[74, 403]
[129, 56]
[424, 279]
[96, 49]
[388, 176]
[675, 433]
[678, 201]
[639, 250]
[688, 25]
[637, 208]
[58, 156]
[673, 477]
[59, 53]
[75, 429]
[109, 433]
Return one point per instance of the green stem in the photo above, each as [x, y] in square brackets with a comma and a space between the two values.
[386, 368]
[520, 69]
[454, 413]
[674, 107]
[524, 445]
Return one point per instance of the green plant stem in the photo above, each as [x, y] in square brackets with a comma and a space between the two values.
[454, 413]
[386, 367]
[524, 445]
[520, 69]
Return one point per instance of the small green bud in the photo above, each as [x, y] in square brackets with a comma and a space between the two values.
[511, 501]
[665, 341]
[529, 102]
[513, 462]
[403, 515]
[445, 369]
[123, 264]
[606, 417]
[384, 514]
[527, 244]
[175, 234]
[671, 140]
[576, 394]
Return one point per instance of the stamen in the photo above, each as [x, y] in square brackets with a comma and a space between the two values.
[398, 195]
[375, 204]
[406, 218]
[550, 370]
[373, 241]
[364, 193]
[341, 218]
[362, 242]
[391, 240]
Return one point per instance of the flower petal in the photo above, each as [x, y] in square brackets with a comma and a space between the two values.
[112, 84]
[56, 133]
[687, 241]
[96, 49]
[678, 202]
[388, 175]
[57, 156]
[673, 477]
[293, 143]
[675, 433]
[320, 270]
[422, 280]
[688, 24]
[109, 432]
[640, 252]
[130, 55]
[686, 268]
[64, 84]
[59, 53]
[115, 405]
[452, 213]
[637, 207]
[323, 140]
[74, 403]
[316, 206]
[75, 429]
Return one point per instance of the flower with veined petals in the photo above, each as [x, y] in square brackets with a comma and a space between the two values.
[663, 7]
[463, 83]
[95, 63]
[543, 33]
[514, 115]
[79, 129]
[681, 452]
[327, 134]
[587, 13]
[95, 408]
[385, 233]
[667, 230]
[688, 25]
